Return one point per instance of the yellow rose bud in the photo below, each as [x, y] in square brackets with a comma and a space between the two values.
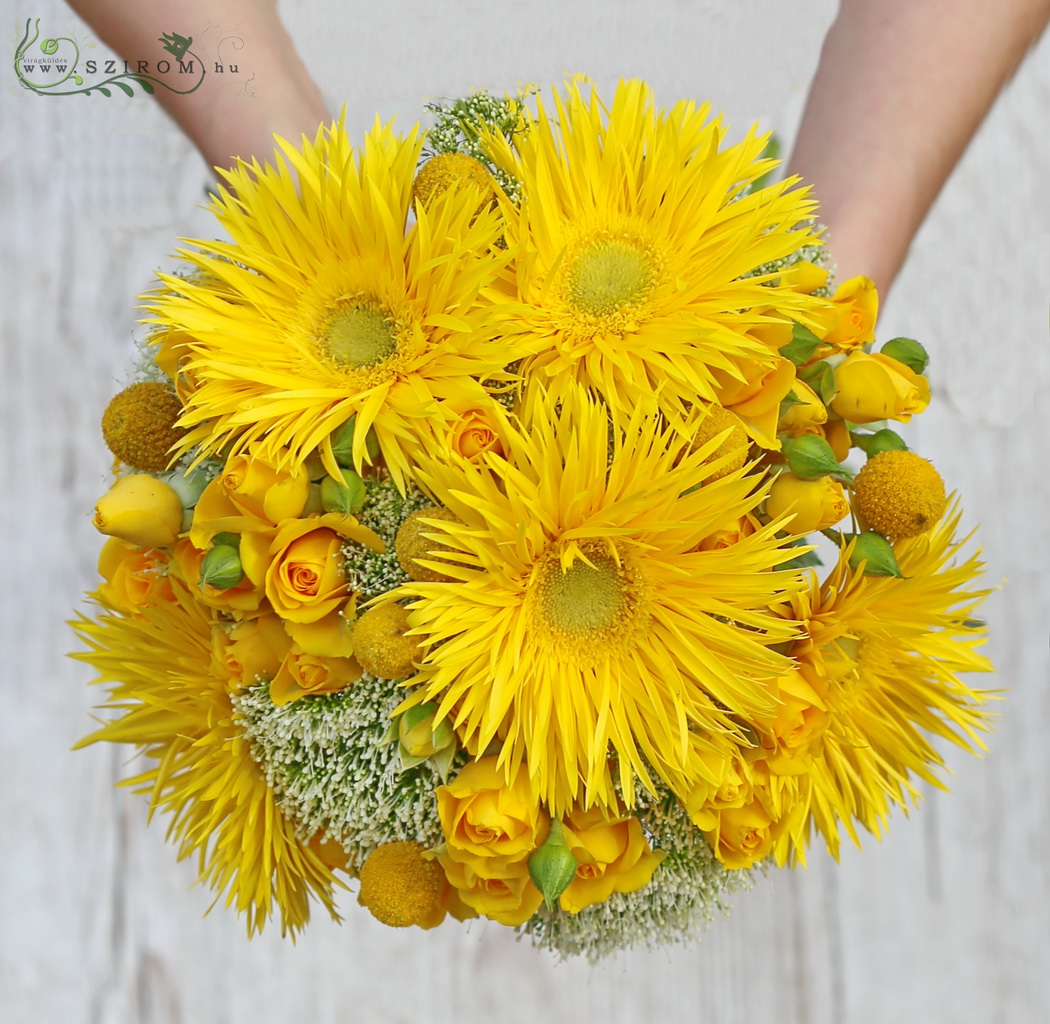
[476, 432]
[755, 392]
[804, 277]
[141, 510]
[418, 734]
[309, 675]
[743, 835]
[872, 387]
[508, 897]
[251, 651]
[856, 307]
[816, 504]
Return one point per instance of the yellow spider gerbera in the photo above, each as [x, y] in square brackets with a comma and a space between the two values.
[582, 623]
[886, 653]
[176, 707]
[323, 306]
[633, 235]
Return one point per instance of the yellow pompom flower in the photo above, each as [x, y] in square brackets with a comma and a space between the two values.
[415, 544]
[400, 886]
[138, 425]
[381, 645]
[325, 305]
[634, 240]
[899, 494]
[452, 170]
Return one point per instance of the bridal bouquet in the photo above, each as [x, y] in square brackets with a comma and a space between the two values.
[484, 533]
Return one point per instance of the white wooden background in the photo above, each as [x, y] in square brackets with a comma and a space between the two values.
[945, 922]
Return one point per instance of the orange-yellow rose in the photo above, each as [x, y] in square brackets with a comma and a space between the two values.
[728, 536]
[299, 563]
[309, 675]
[799, 720]
[134, 578]
[612, 855]
[251, 651]
[816, 504]
[489, 825]
[511, 898]
[475, 432]
[249, 494]
[855, 308]
[806, 416]
[871, 387]
[743, 835]
[140, 509]
[245, 597]
[755, 395]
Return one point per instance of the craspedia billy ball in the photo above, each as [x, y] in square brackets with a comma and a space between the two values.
[400, 887]
[380, 644]
[138, 425]
[899, 494]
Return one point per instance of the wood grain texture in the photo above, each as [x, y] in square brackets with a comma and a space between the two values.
[944, 922]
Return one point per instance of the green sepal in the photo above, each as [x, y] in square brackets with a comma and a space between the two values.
[232, 540]
[876, 553]
[802, 346]
[442, 760]
[810, 457]
[342, 441]
[820, 376]
[221, 568]
[552, 866]
[884, 440]
[907, 351]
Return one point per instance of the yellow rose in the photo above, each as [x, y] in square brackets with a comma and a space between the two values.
[855, 307]
[134, 578]
[489, 825]
[806, 416]
[300, 566]
[799, 720]
[872, 387]
[743, 835]
[816, 504]
[309, 675]
[140, 509]
[744, 527]
[329, 636]
[249, 494]
[475, 432]
[755, 394]
[510, 899]
[612, 855]
[251, 651]
[246, 596]
[836, 433]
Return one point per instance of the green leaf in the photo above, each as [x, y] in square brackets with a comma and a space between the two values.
[147, 85]
[802, 345]
[128, 91]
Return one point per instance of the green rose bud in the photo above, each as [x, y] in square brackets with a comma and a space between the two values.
[552, 866]
[346, 497]
[877, 555]
[907, 351]
[221, 568]
[881, 441]
[810, 457]
[188, 486]
[342, 439]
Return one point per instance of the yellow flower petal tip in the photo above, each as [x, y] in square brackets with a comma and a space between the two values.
[400, 886]
[900, 494]
[414, 542]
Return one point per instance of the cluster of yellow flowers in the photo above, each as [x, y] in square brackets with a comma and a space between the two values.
[545, 460]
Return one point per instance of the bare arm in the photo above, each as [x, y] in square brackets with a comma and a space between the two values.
[220, 118]
[901, 88]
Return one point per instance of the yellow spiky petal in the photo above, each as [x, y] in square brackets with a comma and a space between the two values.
[327, 305]
[175, 706]
[888, 653]
[583, 622]
[634, 234]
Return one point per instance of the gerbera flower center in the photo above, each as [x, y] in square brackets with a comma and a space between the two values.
[608, 275]
[583, 599]
[359, 334]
